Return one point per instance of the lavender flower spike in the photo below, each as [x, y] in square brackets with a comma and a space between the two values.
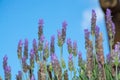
[19, 49]
[75, 48]
[70, 62]
[64, 25]
[32, 78]
[52, 45]
[40, 28]
[93, 22]
[5, 58]
[69, 45]
[35, 48]
[26, 48]
[7, 73]
[19, 76]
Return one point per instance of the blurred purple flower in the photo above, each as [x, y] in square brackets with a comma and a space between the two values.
[87, 33]
[108, 57]
[19, 49]
[93, 22]
[53, 57]
[60, 39]
[70, 56]
[42, 38]
[113, 28]
[41, 22]
[23, 59]
[7, 73]
[41, 41]
[97, 30]
[32, 53]
[75, 48]
[64, 24]
[26, 48]
[52, 45]
[19, 76]
[79, 55]
[5, 58]
[69, 45]
[46, 50]
[32, 78]
[40, 28]
[35, 48]
[108, 14]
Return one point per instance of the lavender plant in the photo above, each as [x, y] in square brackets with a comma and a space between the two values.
[95, 67]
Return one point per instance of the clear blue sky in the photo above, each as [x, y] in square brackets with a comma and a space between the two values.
[19, 20]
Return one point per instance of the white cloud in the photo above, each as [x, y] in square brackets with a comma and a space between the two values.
[87, 14]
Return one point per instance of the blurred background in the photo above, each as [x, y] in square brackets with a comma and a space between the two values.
[19, 20]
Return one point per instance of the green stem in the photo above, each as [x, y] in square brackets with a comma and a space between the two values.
[71, 75]
[116, 74]
[104, 72]
[22, 69]
[61, 52]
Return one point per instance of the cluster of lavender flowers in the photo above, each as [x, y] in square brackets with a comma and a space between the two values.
[49, 67]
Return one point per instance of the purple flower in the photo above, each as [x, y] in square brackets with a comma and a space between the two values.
[53, 57]
[69, 45]
[59, 33]
[75, 48]
[70, 62]
[70, 57]
[41, 22]
[60, 39]
[93, 14]
[32, 53]
[52, 45]
[26, 42]
[46, 50]
[7, 69]
[20, 43]
[19, 73]
[64, 24]
[52, 38]
[108, 57]
[79, 55]
[108, 13]
[32, 78]
[69, 41]
[35, 46]
[93, 22]
[23, 60]
[19, 76]
[113, 28]
[40, 45]
[87, 33]
[26, 48]
[19, 50]
[42, 38]
[40, 28]
[116, 48]
[5, 58]
[97, 30]
[46, 44]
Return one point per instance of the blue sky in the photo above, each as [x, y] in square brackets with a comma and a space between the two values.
[19, 20]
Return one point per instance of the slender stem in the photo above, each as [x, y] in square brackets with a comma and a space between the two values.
[71, 75]
[104, 72]
[22, 69]
[26, 75]
[61, 52]
[116, 74]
